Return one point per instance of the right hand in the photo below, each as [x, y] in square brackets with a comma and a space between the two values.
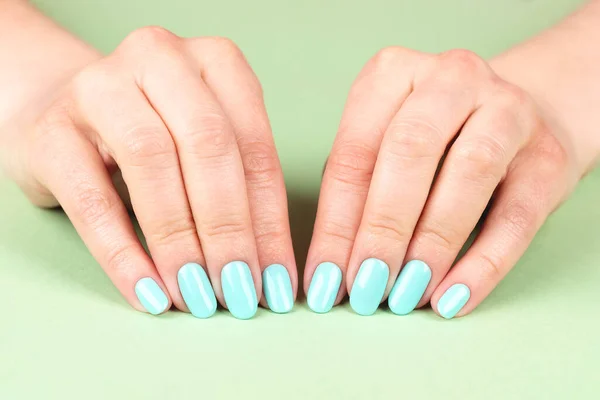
[183, 121]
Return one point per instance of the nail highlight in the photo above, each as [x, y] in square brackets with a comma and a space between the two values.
[151, 296]
[196, 290]
[324, 287]
[278, 288]
[453, 300]
[409, 287]
[238, 289]
[369, 286]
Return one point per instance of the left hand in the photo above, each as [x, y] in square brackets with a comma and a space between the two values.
[425, 142]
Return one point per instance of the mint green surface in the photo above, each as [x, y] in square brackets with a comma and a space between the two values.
[196, 290]
[66, 333]
[409, 287]
[369, 286]
[277, 288]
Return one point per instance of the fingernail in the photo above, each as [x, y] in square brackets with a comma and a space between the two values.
[278, 288]
[238, 289]
[151, 296]
[324, 287]
[409, 287]
[369, 286]
[196, 290]
[453, 300]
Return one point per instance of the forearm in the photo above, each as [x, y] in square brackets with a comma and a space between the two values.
[36, 54]
[560, 68]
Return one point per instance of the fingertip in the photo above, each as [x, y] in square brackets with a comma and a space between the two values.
[151, 296]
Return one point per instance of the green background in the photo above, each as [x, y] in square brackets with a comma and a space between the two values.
[66, 333]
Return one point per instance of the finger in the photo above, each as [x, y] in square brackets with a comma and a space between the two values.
[533, 187]
[412, 148]
[473, 168]
[375, 97]
[71, 168]
[142, 146]
[212, 170]
[238, 90]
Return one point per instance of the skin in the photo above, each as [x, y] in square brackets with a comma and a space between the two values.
[182, 123]
[517, 134]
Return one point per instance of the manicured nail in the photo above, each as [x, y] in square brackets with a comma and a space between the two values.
[238, 289]
[369, 286]
[151, 296]
[196, 290]
[278, 288]
[324, 287]
[409, 287]
[453, 300]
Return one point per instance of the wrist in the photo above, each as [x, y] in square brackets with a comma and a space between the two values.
[553, 90]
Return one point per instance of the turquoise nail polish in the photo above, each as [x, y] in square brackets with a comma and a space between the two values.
[151, 296]
[324, 287]
[278, 288]
[409, 287]
[453, 300]
[369, 286]
[196, 290]
[238, 289]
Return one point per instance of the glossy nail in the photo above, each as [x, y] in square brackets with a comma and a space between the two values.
[324, 287]
[196, 290]
[278, 288]
[369, 286]
[238, 289]
[151, 296]
[453, 300]
[409, 287]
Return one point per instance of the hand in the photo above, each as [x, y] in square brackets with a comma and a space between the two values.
[425, 142]
[183, 120]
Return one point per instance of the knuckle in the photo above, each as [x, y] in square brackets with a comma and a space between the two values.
[270, 234]
[339, 231]
[150, 37]
[389, 58]
[553, 156]
[261, 164]
[463, 59]
[382, 224]
[462, 63]
[93, 205]
[143, 144]
[491, 267]
[520, 218]
[438, 236]
[415, 138]
[224, 227]
[209, 131]
[209, 135]
[52, 123]
[511, 96]
[48, 132]
[481, 159]
[223, 47]
[352, 164]
[90, 80]
[119, 261]
[173, 230]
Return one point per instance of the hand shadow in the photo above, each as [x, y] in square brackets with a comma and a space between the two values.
[302, 211]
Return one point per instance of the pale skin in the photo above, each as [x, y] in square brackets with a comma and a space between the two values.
[183, 121]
